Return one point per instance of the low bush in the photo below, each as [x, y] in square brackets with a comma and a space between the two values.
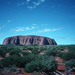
[29, 48]
[10, 49]
[3, 51]
[26, 59]
[11, 60]
[35, 51]
[25, 53]
[42, 49]
[41, 65]
[69, 55]
[70, 64]
[60, 54]
[51, 52]
[15, 52]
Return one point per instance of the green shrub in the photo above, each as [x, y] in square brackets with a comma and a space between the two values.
[3, 51]
[11, 60]
[41, 49]
[70, 64]
[60, 54]
[35, 51]
[51, 52]
[10, 49]
[29, 48]
[69, 55]
[41, 65]
[15, 52]
[26, 59]
[25, 53]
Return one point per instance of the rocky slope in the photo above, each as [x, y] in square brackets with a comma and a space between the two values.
[27, 40]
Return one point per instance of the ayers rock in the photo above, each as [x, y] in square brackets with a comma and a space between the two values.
[29, 39]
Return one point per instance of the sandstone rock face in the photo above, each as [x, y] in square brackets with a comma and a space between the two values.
[30, 39]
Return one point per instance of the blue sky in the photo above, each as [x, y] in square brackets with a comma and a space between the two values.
[50, 18]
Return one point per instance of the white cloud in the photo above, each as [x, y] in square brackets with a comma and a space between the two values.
[38, 3]
[30, 7]
[48, 30]
[17, 29]
[28, 0]
[27, 28]
[33, 24]
[32, 27]
[44, 24]
[42, 0]
[0, 27]
[8, 20]
[56, 29]
[20, 29]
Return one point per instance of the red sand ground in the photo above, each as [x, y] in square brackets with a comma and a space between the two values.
[60, 66]
[7, 54]
[1, 57]
[65, 50]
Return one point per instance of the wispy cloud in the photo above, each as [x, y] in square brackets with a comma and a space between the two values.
[18, 29]
[44, 24]
[33, 24]
[27, 28]
[30, 7]
[48, 30]
[36, 3]
[22, 3]
[65, 37]
[28, 0]
[42, 0]
[1, 34]
[0, 28]
[8, 20]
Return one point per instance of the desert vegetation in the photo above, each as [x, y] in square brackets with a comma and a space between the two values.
[29, 57]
